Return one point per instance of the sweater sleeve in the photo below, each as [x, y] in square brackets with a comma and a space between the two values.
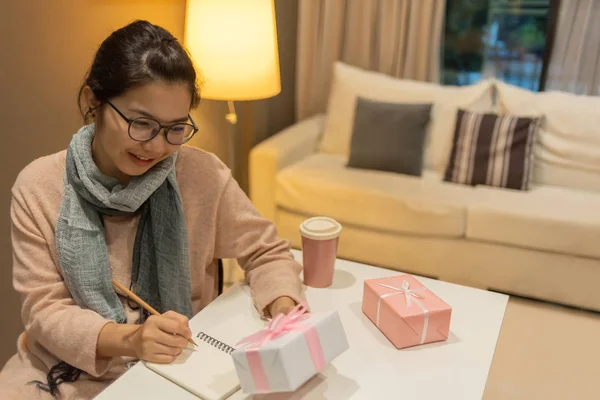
[49, 313]
[242, 233]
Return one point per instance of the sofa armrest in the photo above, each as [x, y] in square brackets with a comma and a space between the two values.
[277, 152]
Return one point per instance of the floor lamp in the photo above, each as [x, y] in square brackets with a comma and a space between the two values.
[234, 46]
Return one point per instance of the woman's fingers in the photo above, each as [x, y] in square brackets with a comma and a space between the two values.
[173, 322]
[161, 338]
[171, 340]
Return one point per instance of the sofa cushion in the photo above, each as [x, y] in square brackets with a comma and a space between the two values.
[389, 136]
[546, 218]
[350, 82]
[567, 150]
[491, 149]
[322, 185]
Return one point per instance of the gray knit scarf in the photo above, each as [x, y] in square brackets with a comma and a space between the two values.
[160, 270]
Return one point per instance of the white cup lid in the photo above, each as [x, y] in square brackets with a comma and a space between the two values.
[320, 228]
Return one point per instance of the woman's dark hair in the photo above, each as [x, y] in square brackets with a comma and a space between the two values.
[137, 54]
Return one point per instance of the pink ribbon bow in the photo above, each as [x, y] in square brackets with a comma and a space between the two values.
[279, 325]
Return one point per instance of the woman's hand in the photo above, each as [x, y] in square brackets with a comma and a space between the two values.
[281, 305]
[160, 339]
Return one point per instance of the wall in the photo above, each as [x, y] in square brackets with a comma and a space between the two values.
[46, 47]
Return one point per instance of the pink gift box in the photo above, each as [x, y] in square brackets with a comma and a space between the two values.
[405, 311]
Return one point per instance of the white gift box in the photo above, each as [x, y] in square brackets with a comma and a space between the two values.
[289, 352]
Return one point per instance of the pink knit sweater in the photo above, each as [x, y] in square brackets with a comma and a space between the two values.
[221, 223]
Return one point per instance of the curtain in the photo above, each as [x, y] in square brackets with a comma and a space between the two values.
[575, 61]
[401, 38]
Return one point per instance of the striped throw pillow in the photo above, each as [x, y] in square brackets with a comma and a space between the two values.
[494, 150]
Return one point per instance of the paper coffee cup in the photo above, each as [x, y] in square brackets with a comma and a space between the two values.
[320, 238]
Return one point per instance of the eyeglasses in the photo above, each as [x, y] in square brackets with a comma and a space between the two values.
[143, 129]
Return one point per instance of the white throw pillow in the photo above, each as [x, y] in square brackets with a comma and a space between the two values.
[567, 149]
[350, 82]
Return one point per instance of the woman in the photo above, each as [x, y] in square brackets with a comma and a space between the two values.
[127, 201]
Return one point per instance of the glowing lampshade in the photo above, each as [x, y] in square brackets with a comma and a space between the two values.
[234, 45]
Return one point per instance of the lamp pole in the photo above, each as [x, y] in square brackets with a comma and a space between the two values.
[231, 117]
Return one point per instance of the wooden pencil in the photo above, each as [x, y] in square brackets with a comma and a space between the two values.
[141, 302]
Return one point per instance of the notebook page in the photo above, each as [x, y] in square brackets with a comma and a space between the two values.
[205, 371]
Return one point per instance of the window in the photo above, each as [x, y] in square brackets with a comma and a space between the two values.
[505, 39]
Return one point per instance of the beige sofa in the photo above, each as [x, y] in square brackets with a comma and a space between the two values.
[543, 243]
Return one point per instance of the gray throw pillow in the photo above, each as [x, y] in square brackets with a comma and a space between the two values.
[389, 136]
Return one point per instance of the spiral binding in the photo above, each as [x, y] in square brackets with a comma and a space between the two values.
[215, 343]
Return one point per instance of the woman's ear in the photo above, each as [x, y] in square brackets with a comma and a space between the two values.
[90, 101]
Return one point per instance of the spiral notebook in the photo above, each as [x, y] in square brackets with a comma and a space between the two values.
[207, 371]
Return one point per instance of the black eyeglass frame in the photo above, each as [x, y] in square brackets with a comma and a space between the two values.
[165, 128]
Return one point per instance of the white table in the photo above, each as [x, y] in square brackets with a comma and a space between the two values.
[372, 368]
